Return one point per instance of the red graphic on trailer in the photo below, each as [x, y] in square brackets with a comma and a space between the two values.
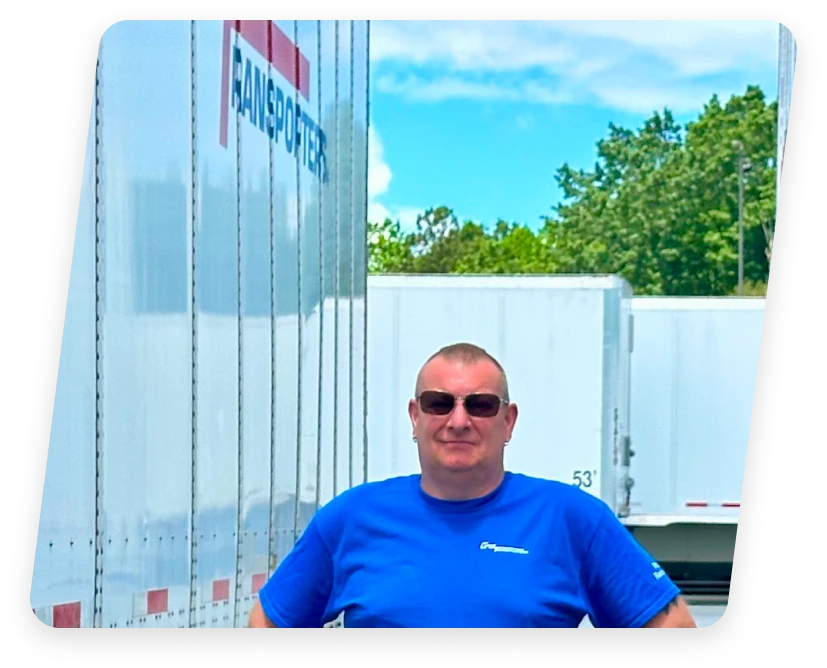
[250, 89]
[274, 46]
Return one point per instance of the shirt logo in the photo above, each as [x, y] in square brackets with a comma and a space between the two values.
[659, 572]
[485, 545]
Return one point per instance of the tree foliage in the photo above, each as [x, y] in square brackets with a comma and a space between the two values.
[660, 208]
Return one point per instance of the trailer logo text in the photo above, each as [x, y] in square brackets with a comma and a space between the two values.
[256, 96]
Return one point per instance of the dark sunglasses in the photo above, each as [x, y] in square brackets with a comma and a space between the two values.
[476, 405]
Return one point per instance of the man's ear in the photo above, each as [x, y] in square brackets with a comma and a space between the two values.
[413, 412]
[511, 413]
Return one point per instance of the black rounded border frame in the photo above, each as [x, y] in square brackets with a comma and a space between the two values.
[449, 646]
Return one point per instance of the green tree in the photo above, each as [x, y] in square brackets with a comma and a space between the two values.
[441, 244]
[509, 249]
[390, 249]
[660, 207]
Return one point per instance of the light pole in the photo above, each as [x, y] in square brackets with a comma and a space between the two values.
[743, 166]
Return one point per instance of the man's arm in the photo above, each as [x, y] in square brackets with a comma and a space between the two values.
[297, 593]
[258, 620]
[676, 615]
[623, 583]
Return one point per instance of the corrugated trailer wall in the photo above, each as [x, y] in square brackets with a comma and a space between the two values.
[211, 381]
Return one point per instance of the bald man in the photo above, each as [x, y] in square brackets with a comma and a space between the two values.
[466, 543]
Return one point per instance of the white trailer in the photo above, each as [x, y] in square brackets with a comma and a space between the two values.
[693, 379]
[563, 341]
[210, 393]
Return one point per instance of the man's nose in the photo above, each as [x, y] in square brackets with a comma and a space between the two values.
[459, 418]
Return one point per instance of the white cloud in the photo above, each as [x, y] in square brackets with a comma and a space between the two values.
[467, 45]
[437, 89]
[557, 62]
[379, 176]
[407, 216]
[379, 179]
[377, 212]
[379, 173]
[647, 99]
[694, 47]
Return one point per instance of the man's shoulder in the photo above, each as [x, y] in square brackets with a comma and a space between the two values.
[565, 508]
[367, 494]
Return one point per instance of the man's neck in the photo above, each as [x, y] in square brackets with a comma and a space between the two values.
[460, 486]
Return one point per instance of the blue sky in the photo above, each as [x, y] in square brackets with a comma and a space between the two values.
[478, 115]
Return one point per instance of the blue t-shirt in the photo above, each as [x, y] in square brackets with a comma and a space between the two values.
[532, 553]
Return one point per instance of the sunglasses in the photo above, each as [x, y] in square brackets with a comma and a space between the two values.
[476, 405]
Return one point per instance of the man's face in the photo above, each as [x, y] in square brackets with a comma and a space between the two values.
[459, 441]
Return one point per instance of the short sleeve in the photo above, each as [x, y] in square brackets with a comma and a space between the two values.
[296, 595]
[624, 586]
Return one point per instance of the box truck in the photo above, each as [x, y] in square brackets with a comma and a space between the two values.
[210, 391]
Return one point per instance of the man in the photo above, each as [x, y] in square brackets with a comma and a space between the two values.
[467, 543]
